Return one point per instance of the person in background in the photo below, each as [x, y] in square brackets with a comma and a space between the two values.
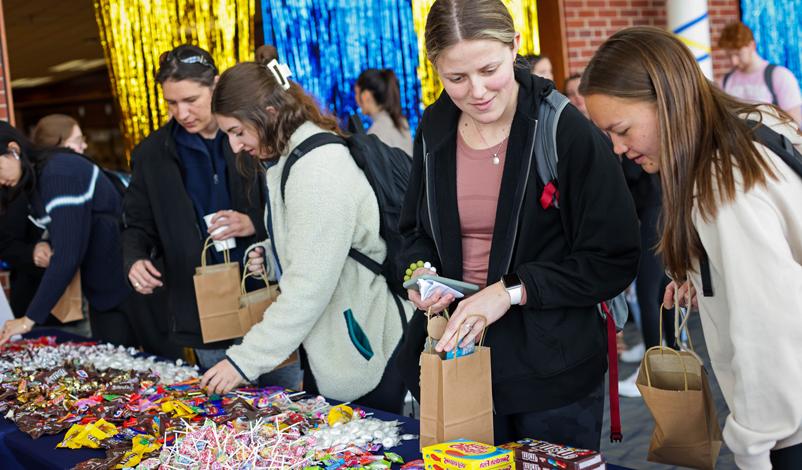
[80, 209]
[473, 211]
[59, 130]
[342, 316]
[540, 65]
[379, 96]
[572, 92]
[730, 223]
[752, 78]
[182, 172]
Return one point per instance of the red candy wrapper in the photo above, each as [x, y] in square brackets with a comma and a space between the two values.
[531, 454]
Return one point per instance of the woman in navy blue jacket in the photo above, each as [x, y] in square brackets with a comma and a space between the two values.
[80, 208]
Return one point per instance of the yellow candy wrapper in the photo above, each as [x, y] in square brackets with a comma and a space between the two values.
[178, 409]
[141, 445]
[89, 435]
[340, 414]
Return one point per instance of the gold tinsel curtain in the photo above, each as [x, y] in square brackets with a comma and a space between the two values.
[134, 33]
[524, 15]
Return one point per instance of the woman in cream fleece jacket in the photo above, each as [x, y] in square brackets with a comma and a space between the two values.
[727, 199]
[342, 315]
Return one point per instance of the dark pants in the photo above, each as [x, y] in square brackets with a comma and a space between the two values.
[577, 424]
[789, 458]
[117, 324]
[133, 323]
[652, 282]
[387, 396]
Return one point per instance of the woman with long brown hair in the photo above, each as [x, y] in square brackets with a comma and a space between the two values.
[731, 225]
[341, 315]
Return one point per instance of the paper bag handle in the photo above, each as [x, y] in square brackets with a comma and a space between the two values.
[484, 330]
[206, 245]
[662, 350]
[248, 274]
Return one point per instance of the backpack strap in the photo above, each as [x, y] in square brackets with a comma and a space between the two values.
[780, 146]
[767, 77]
[311, 143]
[726, 79]
[548, 116]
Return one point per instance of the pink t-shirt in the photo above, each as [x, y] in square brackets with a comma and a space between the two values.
[752, 87]
[478, 185]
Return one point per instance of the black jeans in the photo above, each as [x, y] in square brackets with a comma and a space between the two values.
[577, 424]
[387, 396]
[789, 458]
[119, 325]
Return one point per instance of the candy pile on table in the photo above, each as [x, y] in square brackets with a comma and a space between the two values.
[107, 399]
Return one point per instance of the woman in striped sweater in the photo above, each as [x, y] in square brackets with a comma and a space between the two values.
[78, 206]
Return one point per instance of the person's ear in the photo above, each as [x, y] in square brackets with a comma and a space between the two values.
[14, 148]
[516, 45]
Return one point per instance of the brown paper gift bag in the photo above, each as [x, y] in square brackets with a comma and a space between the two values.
[217, 291]
[676, 390]
[70, 306]
[456, 397]
[253, 306]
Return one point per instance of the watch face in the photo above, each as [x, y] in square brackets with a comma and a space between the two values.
[511, 281]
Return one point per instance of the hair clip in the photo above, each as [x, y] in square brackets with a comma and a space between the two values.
[281, 72]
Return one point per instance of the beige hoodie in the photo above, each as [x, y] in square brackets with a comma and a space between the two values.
[753, 323]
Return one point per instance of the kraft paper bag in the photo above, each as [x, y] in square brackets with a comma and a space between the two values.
[70, 306]
[253, 306]
[456, 397]
[676, 390]
[217, 292]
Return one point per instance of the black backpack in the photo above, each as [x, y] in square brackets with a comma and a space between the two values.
[387, 170]
[782, 147]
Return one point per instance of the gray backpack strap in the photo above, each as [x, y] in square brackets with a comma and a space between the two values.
[767, 77]
[548, 116]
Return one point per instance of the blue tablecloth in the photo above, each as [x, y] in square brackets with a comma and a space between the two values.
[19, 451]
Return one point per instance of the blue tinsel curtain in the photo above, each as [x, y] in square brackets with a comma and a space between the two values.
[777, 27]
[327, 44]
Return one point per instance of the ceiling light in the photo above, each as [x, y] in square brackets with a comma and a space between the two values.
[30, 82]
[78, 65]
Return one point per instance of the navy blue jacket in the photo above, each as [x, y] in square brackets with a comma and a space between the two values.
[80, 208]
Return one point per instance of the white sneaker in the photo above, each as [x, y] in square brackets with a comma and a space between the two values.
[627, 387]
[633, 354]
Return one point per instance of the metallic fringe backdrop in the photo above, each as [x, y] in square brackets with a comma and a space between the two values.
[134, 33]
[777, 27]
[327, 44]
[524, 15]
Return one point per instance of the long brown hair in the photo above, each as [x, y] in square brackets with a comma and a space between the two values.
[383, 85]
[704, 143]
[248, 89]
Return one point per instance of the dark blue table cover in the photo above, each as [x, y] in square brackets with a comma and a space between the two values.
[19, 451]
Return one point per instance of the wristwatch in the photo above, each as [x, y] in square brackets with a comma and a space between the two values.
[515, 289]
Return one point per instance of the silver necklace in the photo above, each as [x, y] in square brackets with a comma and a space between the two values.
[495, 158]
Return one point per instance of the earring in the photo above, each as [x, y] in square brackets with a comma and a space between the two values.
[14, 152]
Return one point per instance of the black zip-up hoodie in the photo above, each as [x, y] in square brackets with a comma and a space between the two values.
[160, 224]
[551, 351]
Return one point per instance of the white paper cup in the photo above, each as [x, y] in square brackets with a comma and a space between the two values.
[221, 245]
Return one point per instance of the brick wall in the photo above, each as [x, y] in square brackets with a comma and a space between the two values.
[589, 22]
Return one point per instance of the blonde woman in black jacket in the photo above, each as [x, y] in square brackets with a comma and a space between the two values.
[473, 210]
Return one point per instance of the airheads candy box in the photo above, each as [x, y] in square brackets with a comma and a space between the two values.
[531, 454]
[462, 454]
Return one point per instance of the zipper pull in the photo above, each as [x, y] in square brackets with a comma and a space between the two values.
[216, 179]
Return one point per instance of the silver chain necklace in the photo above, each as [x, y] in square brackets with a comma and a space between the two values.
[495, 158]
